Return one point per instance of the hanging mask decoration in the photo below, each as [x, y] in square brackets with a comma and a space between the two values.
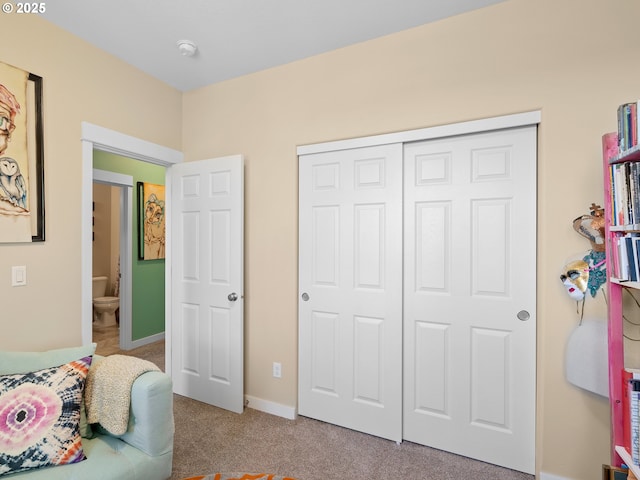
[597, 271]
[575, 278]
[591, 227]
[588, 274]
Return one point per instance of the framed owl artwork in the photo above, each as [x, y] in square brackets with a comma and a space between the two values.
[21, 156]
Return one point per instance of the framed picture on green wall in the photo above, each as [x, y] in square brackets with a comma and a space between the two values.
[151, 221]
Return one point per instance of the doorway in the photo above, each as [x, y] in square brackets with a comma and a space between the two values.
[121, 188]
[99, 138]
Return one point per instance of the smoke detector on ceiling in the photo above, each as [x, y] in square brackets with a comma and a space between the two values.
[187, 48]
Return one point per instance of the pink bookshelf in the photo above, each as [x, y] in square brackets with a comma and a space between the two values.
[618, 378]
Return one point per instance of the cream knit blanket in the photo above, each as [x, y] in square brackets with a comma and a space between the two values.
[108, 390]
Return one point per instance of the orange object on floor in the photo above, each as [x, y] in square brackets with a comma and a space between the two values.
[240, 476]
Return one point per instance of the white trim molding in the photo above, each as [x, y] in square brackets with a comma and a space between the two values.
[549, 476]
[148, 340]
[441, 131]
[111, 178]
[118, 143]
[94, 137]
[284, 411]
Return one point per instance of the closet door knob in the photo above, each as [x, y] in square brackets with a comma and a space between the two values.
[523, 315]
[305, 296]
[232, 297]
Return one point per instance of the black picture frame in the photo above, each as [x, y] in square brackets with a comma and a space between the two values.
[34, 86]
[140, 215]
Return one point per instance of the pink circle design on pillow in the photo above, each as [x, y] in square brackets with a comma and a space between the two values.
[26, 414]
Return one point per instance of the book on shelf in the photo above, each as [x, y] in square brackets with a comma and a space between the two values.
[619, 187]
[623, 258]
[634, 404]
[634, 265]
[631, 407]
[628, 125]
[636, 257]
[614, 261]
[634, 204]
[625, 193]
[631, 258]
[626, 257]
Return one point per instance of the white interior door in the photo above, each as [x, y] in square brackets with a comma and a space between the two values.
[350, 274]
[207, 218]
[470, 296]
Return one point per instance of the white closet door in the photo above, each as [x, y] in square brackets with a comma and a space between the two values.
[470, 296]
[350, 274]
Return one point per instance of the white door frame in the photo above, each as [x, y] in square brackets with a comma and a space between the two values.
[125, 185]
[429, 133]
[93, 138]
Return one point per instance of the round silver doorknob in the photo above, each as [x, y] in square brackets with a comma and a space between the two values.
[523, 315]
[232, 297]
[305, 297]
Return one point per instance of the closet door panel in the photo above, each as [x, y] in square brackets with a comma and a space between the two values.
[369, 246]
[324, 361]
[433, 252]
[470, 228]
[325, 246]
[367, 351]
[350, 286]
[492, 250]
[432, 346]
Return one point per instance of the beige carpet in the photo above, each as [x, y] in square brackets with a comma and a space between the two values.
[210, 440]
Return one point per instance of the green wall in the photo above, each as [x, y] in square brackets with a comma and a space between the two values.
[148, 275]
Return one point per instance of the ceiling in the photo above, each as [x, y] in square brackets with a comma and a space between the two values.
[237, 37]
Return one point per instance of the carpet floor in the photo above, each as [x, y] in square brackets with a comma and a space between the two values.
[210, 440]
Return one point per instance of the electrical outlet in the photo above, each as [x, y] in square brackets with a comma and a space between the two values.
[277, 370]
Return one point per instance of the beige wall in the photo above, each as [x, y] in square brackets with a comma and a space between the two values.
[81, 83]
[106, 233]
[563, 57]
[101, 230]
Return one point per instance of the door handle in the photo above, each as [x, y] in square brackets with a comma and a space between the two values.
[523, 315]
[305, 296]
[232, 297]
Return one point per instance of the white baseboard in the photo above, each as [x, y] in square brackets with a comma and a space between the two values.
[145, 341]
[548, 476]
[273, 408]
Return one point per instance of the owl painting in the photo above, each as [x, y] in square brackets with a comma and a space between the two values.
[13, 187]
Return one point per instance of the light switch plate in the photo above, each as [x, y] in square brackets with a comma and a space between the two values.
[19, 276]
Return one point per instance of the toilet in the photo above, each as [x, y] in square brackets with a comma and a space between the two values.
[104, 308]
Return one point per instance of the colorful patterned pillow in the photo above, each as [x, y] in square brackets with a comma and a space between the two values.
[25, 362]
[39, 417]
